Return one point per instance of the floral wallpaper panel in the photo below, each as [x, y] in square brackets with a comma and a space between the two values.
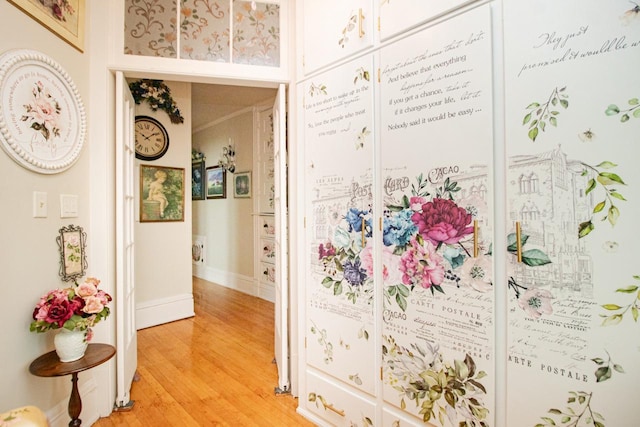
[204, 30]
[150, 28]
[206, 26]
[256, 33]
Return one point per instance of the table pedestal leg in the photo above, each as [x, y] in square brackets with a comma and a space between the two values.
[75, 404]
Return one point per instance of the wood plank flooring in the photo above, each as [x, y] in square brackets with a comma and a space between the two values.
[215, 369]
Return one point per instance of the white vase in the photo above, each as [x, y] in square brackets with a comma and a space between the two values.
[70, 345]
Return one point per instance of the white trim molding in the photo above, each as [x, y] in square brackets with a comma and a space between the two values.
[165, 310]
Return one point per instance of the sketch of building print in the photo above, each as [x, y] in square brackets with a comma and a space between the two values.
[547, 196]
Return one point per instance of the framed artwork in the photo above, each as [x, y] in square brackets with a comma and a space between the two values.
[43, 121]
[64, 18]
[242, 185]
[73, 260]
[161, 194]
[197, 180]
[216, 182]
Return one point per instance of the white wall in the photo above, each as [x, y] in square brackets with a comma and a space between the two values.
[227, 223]
[162, 249]
[29, 258]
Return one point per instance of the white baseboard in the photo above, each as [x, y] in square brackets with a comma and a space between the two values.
[245, 284]
[165, 310]
[267, 291]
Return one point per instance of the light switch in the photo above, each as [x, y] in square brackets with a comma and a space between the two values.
[39, 204]
[68, 206]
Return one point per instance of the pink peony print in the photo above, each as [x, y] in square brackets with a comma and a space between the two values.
[442, 221]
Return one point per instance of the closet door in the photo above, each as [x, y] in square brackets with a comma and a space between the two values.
[399, 16]
[335, 29]
[572, 126]
[436, 181]
[339, 330]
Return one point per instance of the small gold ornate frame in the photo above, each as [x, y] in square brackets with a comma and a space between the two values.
[73, 259]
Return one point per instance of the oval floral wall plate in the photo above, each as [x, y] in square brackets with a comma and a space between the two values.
[42, 118]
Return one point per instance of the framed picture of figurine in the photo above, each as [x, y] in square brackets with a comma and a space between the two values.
[161, 194]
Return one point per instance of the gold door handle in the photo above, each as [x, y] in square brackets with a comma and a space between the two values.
[360, 26]
[518, 241]
[333, 409]
[475, 238]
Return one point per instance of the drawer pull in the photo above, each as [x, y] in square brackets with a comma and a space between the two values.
[360, 26]
[475, 238]
[363, 233]
[518, 241]
[333, 409]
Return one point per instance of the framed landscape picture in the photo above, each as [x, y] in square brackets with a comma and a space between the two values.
[161, 194]
[242, 185]
[216, 183]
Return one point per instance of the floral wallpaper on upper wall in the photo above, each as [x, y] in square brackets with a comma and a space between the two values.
[204, 30]
[150, 28]
[256, 33]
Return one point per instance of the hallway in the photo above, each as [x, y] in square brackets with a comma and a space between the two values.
[211, 370]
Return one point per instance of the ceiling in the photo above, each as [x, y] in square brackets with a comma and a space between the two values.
[212, 102]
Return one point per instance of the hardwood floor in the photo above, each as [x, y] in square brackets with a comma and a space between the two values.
[214, 369]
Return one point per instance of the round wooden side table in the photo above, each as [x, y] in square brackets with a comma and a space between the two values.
[49, 365]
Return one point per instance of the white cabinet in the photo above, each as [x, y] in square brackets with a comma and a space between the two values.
[456, 134]
[337, 404]
[264, 188]
[335, 29]
[339, 324]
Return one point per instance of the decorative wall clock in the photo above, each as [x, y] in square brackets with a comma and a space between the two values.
[42, 118]
[152, 139]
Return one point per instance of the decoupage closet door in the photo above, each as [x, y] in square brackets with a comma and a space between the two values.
[436, 182]
[335, 29]
[338, 120]
[572, 126]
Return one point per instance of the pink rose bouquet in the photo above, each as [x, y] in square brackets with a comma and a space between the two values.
[78, 307]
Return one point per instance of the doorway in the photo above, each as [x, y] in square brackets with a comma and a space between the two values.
[222, 109]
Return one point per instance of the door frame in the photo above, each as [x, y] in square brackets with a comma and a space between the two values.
[291, 180]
